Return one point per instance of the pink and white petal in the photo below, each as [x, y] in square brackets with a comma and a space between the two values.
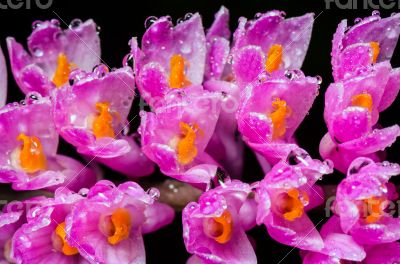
[317, 197]
[248, 63]
[263, 30]
[391, 90]
[217, 57]
[311, 257]
[352, 123]
[337, 46]
[135, 158]
[343, 246]
[256, 128]
[354, 57]
[300, 233]
[157, 216]
[220, 26]
[377, 140]
[388, 253]
[248, 213]
[45, 44]
[385, 31]
[83, 46]
[386, 230]
[294, 35]
[152, 82]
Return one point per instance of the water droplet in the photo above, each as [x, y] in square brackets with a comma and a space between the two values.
[75, 23]
[230, 59]
[319, 79]
[37, 52]
[180, 20]
[32, 97]
[283, 14]
[357, 20]
[188, 16]
[376, 13]
[83, 192]
[55, 22]
[393, 14]
[289, 74]
[58, 35]
[98, 30]
[36, 24]
[128, 60]
[100, 70]
[257, 15]
[150, 21]
[154, 193]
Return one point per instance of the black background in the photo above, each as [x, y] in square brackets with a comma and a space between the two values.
[121, 20]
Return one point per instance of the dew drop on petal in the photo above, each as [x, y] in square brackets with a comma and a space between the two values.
[100, 70]
[83, 192]
[32, 97]
[376, 13]
[36, 24]
[289, 74]
[37, 52]
[75, 23]
[128, 60]
[357, 20]
[55, 22]
[188, 16]
[319, 79]
[257, 15]
[154, 193]
[150, 21]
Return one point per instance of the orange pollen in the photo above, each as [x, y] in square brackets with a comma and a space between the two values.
[375, 207]
[64, 246]
[274, 58]
[219, 228]
[121, 226]
[292, 206]
[187, 150]
[63, 70]
[31, 157]
[375, 51]
[102, 124]
[278, 117]
[362, 100]
[177, 78]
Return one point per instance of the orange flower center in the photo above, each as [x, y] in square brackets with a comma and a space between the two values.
[219, 228]
[118, 226]
[31, 156]
[375, 207]
[278, 116]
[292, 204]
[375, 51]
[187, 150]
[274, 58]
[63, 70]
[102, 124]
[177, 78]
[60, 243]
[362, 100]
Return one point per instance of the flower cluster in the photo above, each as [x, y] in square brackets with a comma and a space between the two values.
[103, 224]
[208, 99]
